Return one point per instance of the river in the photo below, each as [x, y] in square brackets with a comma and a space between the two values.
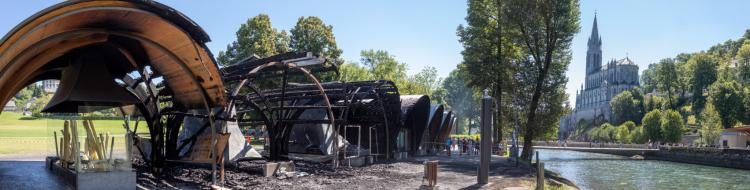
[602, 171]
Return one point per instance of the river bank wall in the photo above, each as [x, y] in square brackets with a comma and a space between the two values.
[729, 158]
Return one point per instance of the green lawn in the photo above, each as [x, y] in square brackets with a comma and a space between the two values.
[19, 136]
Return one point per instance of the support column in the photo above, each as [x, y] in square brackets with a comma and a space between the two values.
[486, 139]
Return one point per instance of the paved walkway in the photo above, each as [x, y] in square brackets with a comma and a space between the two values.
[28, 175]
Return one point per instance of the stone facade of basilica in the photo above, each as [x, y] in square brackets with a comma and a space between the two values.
[602, 83]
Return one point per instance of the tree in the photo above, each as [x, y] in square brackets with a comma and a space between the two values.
[648, 78]
[727, 97]
[488, 51]
[711, 126]
[255, 37]
[652, 125]
[629, 124]
[310, 34]
[672, 126]
[666, 75]
[384, 66]
[743, 62]
[638, 136]
[426, 81]
[704, 70]
[546, 29]
[354, 72]
[623, 134]
[625, 107]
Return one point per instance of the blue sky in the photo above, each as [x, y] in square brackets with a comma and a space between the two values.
[423, 33]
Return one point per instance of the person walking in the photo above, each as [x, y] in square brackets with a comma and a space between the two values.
[449, 146]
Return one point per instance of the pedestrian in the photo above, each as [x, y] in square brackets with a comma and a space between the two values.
[476, 147]
[449, 146]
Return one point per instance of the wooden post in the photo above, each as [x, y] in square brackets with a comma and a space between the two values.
[539, 176]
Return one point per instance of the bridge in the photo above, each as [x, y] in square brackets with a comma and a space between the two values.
[615, 151]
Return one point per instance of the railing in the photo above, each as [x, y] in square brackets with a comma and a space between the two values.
[589, 144]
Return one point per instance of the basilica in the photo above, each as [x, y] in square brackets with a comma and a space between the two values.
[603, 81]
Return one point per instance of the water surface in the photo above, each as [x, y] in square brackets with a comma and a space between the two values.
[602, 171]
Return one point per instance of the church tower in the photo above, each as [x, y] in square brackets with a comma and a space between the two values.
[594, 53]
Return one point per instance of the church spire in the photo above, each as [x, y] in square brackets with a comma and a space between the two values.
[595, 32]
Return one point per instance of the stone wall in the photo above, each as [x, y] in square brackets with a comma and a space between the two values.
[730, 158]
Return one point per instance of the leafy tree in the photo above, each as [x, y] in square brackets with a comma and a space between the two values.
[704, 74]
[310, 34]
[638, 136]
[354, 72]
[546, 29]
[426, 81]
[666, 75]
[743, 63]
[23, 96]
[726, 96]
[711, 126]
[672, 126]
[652, 125]
[384, 66]
[254, 37]
[488, 52]
[625, 107]
[629, 124]
[623, 134]
[648, 78]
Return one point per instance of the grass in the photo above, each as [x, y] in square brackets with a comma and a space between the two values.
[34, 136]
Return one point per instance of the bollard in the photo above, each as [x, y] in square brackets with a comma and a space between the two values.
[486, 139]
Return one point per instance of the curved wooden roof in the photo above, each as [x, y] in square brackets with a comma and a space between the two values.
[149, 33]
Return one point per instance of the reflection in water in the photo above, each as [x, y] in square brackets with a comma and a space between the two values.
[601, 171]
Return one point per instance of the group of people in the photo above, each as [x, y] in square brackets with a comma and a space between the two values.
[463, 145]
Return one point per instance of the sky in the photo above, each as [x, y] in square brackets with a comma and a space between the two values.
[423, 33]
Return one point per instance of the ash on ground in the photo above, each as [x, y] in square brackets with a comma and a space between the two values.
[454, 173]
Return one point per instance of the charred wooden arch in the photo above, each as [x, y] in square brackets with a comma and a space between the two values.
[155, 52]
[263, 95]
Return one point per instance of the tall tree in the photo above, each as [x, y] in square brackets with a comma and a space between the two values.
[488, 51]
[666, 75]
[310, 34]
[255, 37]
[648, 78]
[546, 29]
[743, 62]
[384, 66]
[703, 75]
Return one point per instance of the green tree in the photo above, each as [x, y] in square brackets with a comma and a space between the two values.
[704, 74]
[638, 136]
[255, 37]
[547, 28]
[667, 80]
[672, 126]
[629, 124]
[648, 78]
[711, 126]
[384, 66]
[310, 34]
[488, 52]
[743, 63]
[354, 72]
[625, 108]
[623, 134]
[23, 96]
[652, 125]
[727, 97]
